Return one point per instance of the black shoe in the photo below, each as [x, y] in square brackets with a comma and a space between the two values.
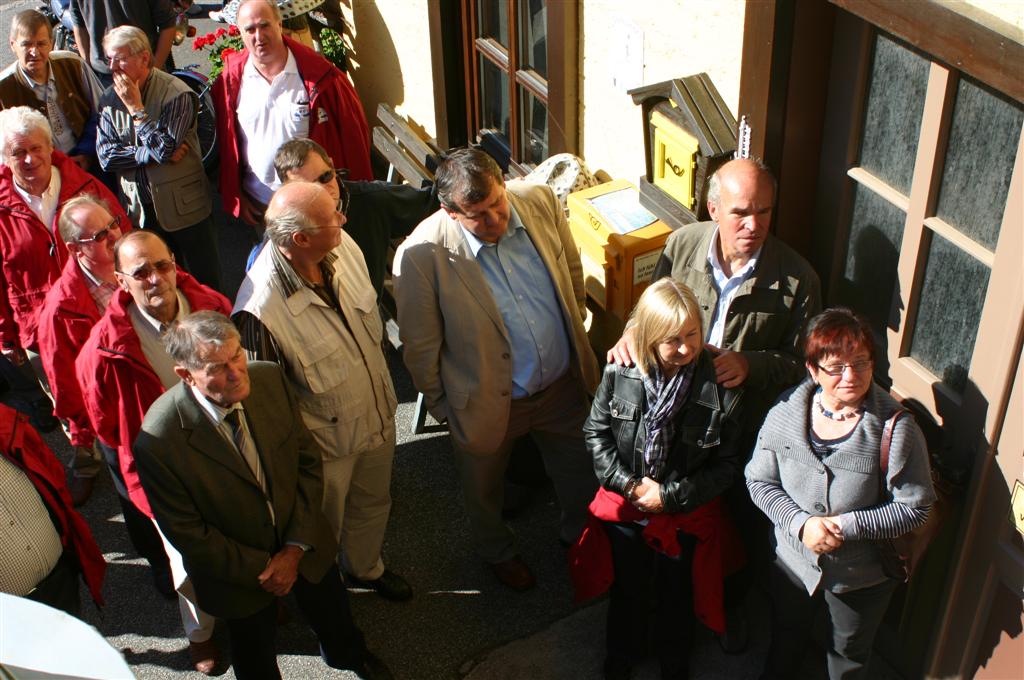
[372, 668]
[736, 636]
[389, 585]
[164, 583]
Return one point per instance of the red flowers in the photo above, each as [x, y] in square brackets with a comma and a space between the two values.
[222, 43]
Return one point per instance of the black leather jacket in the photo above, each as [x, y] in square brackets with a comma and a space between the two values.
[705, 458]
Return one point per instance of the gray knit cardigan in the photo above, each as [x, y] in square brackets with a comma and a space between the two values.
[789, 483]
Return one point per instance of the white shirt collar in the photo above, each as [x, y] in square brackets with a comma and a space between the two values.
[45, 206]
[215, 412]
[157, 325]
[290, 67]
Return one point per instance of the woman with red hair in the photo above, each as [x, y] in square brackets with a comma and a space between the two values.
[816, 472]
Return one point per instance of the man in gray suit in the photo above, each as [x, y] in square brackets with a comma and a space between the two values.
[235, 482]
[491, 307]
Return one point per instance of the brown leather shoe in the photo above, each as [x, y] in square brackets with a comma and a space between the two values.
[514, 573]
[81, 489]
[206, 656]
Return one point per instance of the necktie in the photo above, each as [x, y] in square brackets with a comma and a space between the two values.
[245, 446]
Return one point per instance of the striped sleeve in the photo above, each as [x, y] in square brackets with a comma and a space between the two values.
[888, 520]
[777, 504]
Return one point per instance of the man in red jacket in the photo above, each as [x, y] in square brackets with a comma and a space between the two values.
[47, 543]
[274, 90]
[122, 369]
[35, 183]
[75, 303]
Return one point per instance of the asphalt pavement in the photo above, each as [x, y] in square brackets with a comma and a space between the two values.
[461, 622]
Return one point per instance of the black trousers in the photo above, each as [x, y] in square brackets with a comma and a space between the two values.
[326, 609]
[647, 582]
[141, 531]
[853, 620]
[60, 587]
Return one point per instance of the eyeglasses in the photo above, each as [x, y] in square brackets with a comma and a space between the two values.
[101, 235]
[836, 370]
[339, 174]
[146, 271]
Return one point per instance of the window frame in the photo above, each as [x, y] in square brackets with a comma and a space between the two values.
[557, 92]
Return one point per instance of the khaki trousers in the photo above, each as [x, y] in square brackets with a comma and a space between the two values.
[357, 502]
[554, 418]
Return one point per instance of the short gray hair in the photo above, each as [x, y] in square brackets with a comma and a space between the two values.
[715, 183]
[22, 120]
[67, 227]
[132, 37]
[283, 225]
[187, 340]
[466, 177]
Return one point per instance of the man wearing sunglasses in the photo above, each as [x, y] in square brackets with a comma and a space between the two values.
[307, 304]
[72, 307]
[376, 212]
[122, 369]
[74, 304]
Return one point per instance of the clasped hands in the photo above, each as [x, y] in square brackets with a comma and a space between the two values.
[646, 496]
[822, 534]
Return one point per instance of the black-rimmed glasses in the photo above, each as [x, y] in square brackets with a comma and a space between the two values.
[836, 370]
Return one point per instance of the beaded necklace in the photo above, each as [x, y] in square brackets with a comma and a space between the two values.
[831, 415]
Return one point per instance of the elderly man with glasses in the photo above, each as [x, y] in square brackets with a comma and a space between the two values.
[307, 304]
[377, 212]
[123, 368]
[147, 137]
[88, 227]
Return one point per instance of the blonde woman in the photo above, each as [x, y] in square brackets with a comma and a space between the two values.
[664, 436]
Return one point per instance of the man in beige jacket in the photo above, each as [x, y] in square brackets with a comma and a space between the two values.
[491, 307]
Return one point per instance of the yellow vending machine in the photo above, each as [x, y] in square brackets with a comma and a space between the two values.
[620, 242]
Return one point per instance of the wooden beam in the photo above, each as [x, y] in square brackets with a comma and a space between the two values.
[979, 45]
[404, 163]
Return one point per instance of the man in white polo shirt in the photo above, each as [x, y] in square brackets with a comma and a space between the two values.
[274, 90]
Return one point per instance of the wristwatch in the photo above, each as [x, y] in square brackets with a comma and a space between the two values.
[139, 116]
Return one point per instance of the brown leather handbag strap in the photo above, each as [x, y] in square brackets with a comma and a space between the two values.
[890, 426]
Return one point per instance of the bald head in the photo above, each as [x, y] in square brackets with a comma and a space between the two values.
[145, 269]
[298, 212]
[741, 197]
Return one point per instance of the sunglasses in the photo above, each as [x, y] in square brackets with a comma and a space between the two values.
[101, 235]
[145, 272]
[339, 174]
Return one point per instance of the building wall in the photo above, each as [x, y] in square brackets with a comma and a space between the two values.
[678, 38]
[391, 58]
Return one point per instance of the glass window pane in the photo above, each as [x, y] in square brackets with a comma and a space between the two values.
[494, 98]
[892, 121]
[534, 121]
[979, 161]
[534, 32]
[492, 20]
[949, 311]
[869, 283]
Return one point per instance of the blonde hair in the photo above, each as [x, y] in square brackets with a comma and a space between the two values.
[662, 310]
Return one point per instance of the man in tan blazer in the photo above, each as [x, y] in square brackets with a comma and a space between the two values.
[491, 307]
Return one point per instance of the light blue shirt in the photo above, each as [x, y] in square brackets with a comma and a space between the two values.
[525, 295]
[727, 287]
